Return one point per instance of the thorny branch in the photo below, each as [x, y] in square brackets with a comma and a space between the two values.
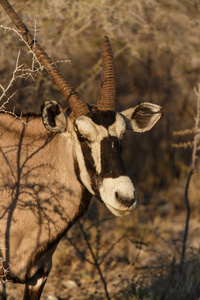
[34, 58]
[5, 90]
[20, 72]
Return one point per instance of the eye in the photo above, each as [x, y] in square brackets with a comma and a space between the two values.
[82, 138]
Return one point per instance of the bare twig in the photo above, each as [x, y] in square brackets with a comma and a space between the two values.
[96, 263]
[191, 172]
[187, 217]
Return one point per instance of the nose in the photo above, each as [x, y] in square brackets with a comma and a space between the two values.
[125, 200]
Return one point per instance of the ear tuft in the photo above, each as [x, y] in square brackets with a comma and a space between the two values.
[53, 117]
[142, 117]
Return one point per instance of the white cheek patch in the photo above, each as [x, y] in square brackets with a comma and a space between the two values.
[87, 128]
[85, 178]
[118, 128]
[122, 186]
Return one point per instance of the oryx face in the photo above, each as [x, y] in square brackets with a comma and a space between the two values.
[97, 138]
[101, 168]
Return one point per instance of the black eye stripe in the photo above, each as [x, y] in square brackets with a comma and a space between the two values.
[111, 161]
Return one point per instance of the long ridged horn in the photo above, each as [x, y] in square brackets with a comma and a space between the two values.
[78, 106]
[107, 94]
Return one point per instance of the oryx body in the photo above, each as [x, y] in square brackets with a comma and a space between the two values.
[50, 167]
[41, 196]
[47, 180]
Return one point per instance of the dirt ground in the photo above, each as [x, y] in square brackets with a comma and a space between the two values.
[133, 260]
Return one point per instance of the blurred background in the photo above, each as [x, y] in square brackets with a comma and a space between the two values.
[156, 45]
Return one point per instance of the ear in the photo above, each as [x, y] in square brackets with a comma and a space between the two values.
[142, 117]
[53, 117]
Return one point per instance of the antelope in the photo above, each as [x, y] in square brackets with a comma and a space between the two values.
[54, 163]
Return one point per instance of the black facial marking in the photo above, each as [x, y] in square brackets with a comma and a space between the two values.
[104, 118]
[77, 170]
[111, 161]
[85, 193]
[89, 161]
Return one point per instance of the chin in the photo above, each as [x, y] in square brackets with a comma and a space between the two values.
[119, 212]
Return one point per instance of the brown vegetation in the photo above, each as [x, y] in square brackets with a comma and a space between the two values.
[156, 46]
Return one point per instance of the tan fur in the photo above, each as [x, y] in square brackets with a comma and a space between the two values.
[40, 196]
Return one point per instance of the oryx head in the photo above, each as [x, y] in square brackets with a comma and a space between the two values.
[97, 132]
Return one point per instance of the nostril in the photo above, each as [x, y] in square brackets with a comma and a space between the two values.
[126, 201]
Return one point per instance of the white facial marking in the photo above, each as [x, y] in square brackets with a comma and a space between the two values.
[94, 133]
[87, 128]
[122, 186]
[96, 154]
[83, 171]
[96, 147]
[118, 128]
